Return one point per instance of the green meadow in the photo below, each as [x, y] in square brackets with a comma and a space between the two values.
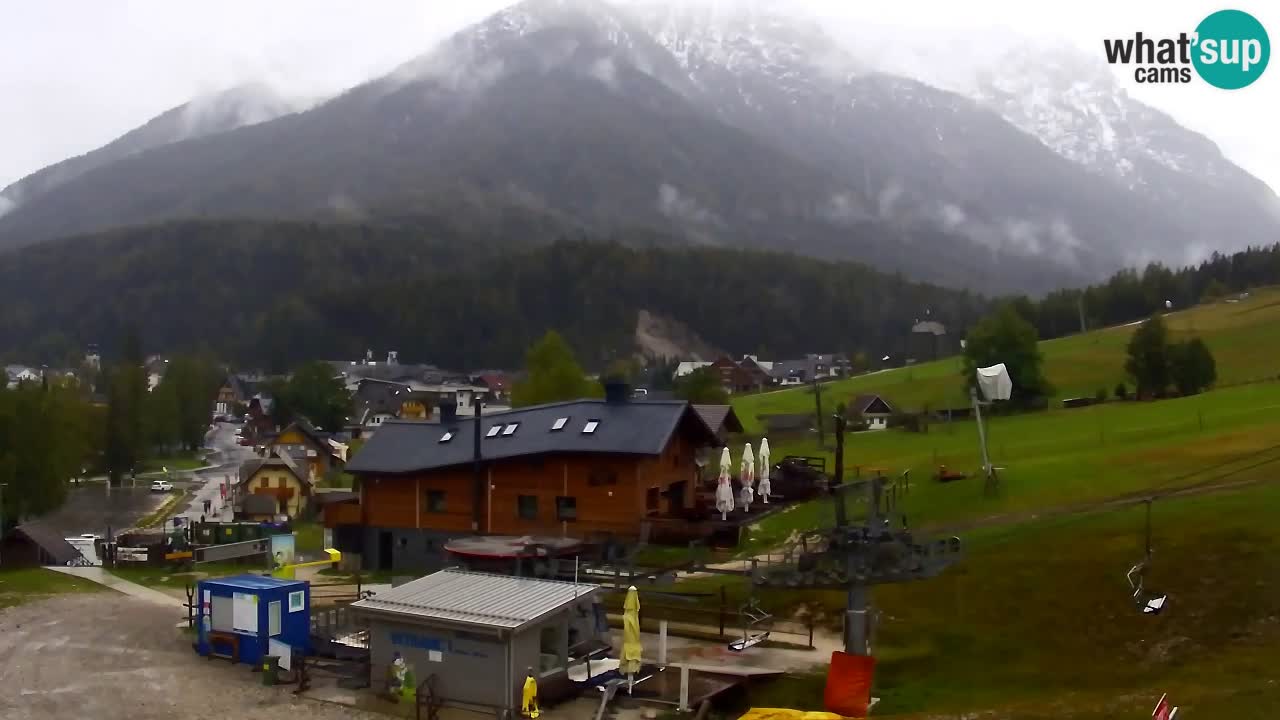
[1036, 620]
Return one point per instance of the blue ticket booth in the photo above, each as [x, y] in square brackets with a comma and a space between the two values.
[247, 617]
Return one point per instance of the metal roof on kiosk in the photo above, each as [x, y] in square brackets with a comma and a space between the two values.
[477, 599]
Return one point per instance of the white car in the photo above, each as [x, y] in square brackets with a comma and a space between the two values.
[161, 486]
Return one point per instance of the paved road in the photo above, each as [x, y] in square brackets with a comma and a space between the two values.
[225, 464]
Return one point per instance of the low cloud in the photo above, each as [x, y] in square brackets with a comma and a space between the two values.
[6, 205]
[345, 207]
[887, 198]
[953, 216]
[841, 208]
[606, 72]
[677, 206]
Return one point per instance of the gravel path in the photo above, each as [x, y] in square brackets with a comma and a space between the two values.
[110, 657]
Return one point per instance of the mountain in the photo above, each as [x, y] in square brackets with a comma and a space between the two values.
[731, 126]
[206, 115]
[1071, 102]
[275, 294]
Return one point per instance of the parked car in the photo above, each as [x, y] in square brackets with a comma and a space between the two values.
[161, 486]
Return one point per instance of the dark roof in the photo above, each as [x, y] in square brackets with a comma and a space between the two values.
[720, 418]
[862, 403]
[241, 387]
[256, 504]
[321, 439]
[786, 368]
[53, 546]
[331, 497]
[637, 427]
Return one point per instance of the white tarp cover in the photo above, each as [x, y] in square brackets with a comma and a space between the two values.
[994, 382]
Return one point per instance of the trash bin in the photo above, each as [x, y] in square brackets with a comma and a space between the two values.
[270, 669]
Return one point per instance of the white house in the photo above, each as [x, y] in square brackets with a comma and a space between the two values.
[874, 409]
[688, 366]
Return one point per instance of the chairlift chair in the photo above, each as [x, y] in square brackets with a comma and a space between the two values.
[1150, 603]
[756, 626]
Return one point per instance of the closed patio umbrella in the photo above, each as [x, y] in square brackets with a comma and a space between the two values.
[630, 664]
[747, 477]
[764, 470]
[724, 489]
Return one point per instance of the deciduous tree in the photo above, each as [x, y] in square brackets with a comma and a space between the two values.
[553, 374]
[1007, 337]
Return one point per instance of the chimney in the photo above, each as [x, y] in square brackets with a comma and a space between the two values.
[448, 413]
[616, 391]
[479, 481]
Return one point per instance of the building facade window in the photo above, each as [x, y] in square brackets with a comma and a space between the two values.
[602, 476]
[435, 501]
[527, 507]
[566, 508]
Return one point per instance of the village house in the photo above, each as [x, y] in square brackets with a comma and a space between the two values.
[582, 468]
[873, 409]
[279, 478]
[744, 375]
[316, 452]
[236, 391]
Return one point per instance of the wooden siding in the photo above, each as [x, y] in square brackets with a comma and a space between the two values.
[612, 493]
[609, 491]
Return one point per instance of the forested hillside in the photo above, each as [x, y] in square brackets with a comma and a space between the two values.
[273, 294]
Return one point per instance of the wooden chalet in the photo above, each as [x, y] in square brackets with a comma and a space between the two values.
[581, 469]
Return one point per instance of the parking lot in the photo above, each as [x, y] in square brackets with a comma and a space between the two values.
[110, 657]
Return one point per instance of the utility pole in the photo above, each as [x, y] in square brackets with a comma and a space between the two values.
[2, 487]
[982, 434]
[817, 401]
[838, 479]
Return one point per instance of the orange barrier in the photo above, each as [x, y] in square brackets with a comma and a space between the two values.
[849, 684]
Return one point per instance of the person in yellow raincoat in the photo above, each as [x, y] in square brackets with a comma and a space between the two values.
[529, 697]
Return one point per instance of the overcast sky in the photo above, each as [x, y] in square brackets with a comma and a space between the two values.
[78, 74]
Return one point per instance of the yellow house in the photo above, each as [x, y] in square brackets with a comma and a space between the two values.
[278, 477]
[302, 440]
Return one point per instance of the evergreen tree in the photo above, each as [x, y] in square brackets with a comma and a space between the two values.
[1192, 366]
[1148, 358]
[126, 437]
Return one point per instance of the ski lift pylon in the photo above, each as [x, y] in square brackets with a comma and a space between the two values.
[1149, 603]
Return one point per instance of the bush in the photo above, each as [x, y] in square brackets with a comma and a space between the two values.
[1122, 392]
[1100, 395]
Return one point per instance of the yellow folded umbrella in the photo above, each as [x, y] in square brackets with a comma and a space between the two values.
[630, 664]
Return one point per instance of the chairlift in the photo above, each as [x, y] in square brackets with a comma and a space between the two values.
[1148, 602]
[756, 625]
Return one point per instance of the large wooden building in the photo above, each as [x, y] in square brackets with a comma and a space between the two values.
[581, 469]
